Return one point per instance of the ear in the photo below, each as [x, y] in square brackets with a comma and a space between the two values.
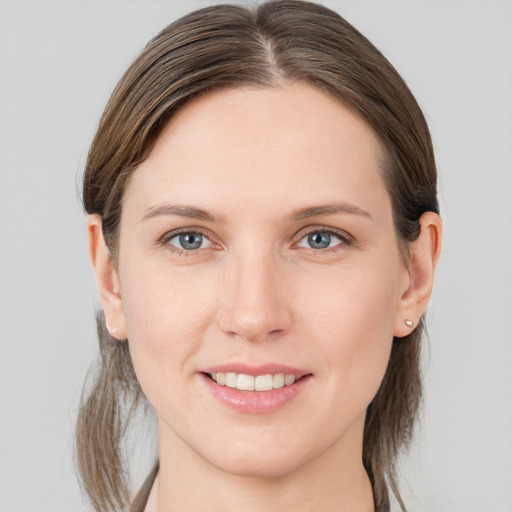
[424, 254]
[106, 278]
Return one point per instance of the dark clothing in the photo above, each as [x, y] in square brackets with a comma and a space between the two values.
[141, 498]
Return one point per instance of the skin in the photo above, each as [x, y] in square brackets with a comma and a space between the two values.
[256, 291]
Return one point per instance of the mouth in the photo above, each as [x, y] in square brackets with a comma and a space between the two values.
[255, 390]
[245, 382]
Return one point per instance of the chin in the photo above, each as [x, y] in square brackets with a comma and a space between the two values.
[258, 468]
[258, 462]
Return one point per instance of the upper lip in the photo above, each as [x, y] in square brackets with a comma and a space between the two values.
[261, 369]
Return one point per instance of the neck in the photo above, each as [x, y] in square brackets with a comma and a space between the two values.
[335, 481]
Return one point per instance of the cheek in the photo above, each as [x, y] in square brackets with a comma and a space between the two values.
[166, 314]
[352, 317]
[169, 302]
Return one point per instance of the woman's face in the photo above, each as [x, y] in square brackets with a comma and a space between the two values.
[257, 240]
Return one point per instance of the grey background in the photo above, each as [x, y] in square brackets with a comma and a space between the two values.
[59, 63]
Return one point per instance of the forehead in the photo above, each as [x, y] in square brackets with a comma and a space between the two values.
[265, 146]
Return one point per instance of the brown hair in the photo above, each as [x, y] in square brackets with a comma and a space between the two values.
[227, 46]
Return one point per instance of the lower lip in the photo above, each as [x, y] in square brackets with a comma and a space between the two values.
[255, 402]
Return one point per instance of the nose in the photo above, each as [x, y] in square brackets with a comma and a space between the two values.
[255, 305]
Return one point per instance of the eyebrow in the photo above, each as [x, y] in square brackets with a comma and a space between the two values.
[181, 210]
[329, 209]
[192, 212]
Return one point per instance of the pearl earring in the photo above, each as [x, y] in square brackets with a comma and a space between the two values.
[408, 322]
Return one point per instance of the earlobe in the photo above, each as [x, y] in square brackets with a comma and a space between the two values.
[424, 256]
[106, 278]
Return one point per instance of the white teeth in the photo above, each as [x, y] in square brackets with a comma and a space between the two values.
[250, 383]
[245, 382]
[278, 380]
[289, 379]
[231, 379]
[264, 383]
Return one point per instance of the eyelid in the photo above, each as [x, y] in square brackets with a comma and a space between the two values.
[164, 239]
[344, 236]
[204, 239]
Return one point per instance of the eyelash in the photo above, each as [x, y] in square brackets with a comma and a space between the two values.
[164, 241]
[345, 239]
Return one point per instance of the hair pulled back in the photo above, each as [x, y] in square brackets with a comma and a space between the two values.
[229, 46]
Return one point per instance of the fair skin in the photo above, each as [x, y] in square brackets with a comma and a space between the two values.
[292, 261]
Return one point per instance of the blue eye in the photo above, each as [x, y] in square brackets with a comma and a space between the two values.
[189, 241]
[320, 240]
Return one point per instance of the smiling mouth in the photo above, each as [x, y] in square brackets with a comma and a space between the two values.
[245, 382]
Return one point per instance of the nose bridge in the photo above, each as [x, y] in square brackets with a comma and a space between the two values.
[254, 304]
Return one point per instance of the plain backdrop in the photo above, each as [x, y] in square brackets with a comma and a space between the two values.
[59, 62]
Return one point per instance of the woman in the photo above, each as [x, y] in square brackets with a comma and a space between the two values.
[264, 230]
